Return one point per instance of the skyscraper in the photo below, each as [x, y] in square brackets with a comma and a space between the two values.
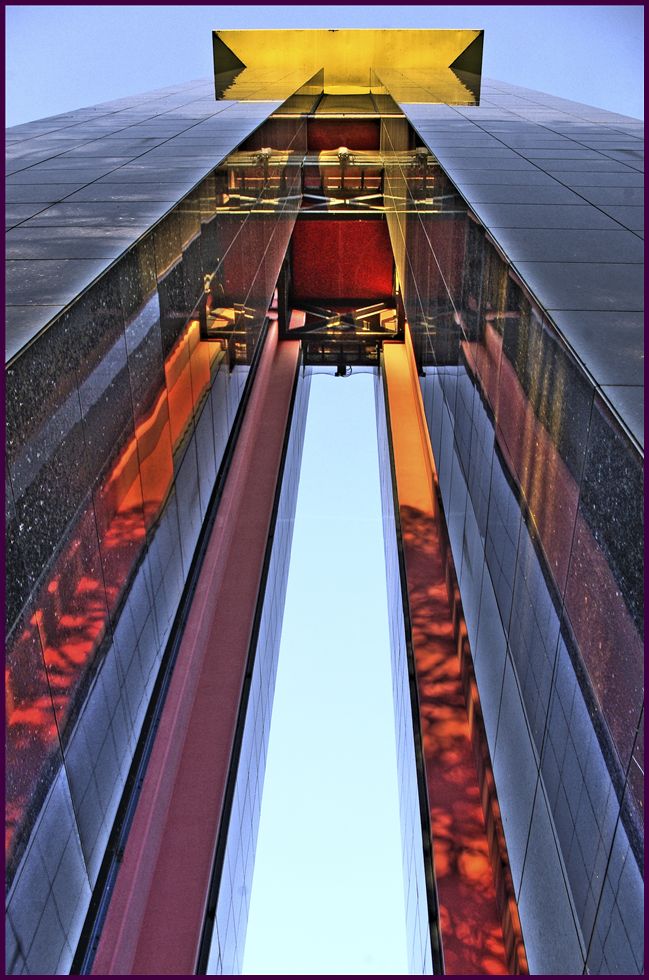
[179, 264]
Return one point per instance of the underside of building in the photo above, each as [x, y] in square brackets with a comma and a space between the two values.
[180, 265]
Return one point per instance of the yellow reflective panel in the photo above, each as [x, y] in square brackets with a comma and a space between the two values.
[261, 84]
[426, 85]
[349, 56]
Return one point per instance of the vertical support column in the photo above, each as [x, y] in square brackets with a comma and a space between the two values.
[472, 934]
[155, 919]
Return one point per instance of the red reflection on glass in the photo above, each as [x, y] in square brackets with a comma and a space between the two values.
[31, 728]
[472, 933]
[471, 929]
[530, 453]
[606, 635]
[48, 659]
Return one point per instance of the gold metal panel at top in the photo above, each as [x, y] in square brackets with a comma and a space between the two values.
[439, 85]
[349, 56]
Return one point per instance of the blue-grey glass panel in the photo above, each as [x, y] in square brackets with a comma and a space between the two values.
[51, 282]
[542, 410]
[114, 192]
[52, 880]
[631, 216]
[550, 193]
[74, 175]
[570, 245]
[612, 195]
[542, 216]
[65, 243]
[533, 635]
[608, 344]
[585, 285]
[617, 944]
[545, 898]
[104, 213]
[509, 178]
[16, 214]
[601, 165]
[36, 193]
[489, 646]
[628, 400]
[514, 754]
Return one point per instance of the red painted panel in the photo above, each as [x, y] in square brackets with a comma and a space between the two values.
[156, 913]
[338, 259]
[356, 134]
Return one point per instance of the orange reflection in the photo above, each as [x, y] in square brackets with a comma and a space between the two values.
[472, 935]
[80, 591]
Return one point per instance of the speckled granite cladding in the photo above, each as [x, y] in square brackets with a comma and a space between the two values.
[609, 635]
[118, 416]
[542, 492]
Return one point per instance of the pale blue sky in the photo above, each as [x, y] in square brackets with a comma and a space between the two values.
[61, 58]
[327, 894]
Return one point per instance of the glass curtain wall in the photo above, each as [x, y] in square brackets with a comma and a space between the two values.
[118, 416]
[542, 495]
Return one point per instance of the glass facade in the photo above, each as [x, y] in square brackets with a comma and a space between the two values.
[84, 186]
[547, 177]
[118, 418]
[542, 489]
[142, 269]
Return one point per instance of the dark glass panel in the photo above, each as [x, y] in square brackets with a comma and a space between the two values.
[189, 510]
[179, 393]
[189, 214]
[17, 582]
[533, 634]
[45, 449]
[171, 283]
[165, 558]
[32, 749]
[72, 617]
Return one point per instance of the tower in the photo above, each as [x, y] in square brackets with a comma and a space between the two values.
[177, 264]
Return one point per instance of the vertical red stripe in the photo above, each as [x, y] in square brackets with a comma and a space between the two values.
[156, 913]
[472, 936]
